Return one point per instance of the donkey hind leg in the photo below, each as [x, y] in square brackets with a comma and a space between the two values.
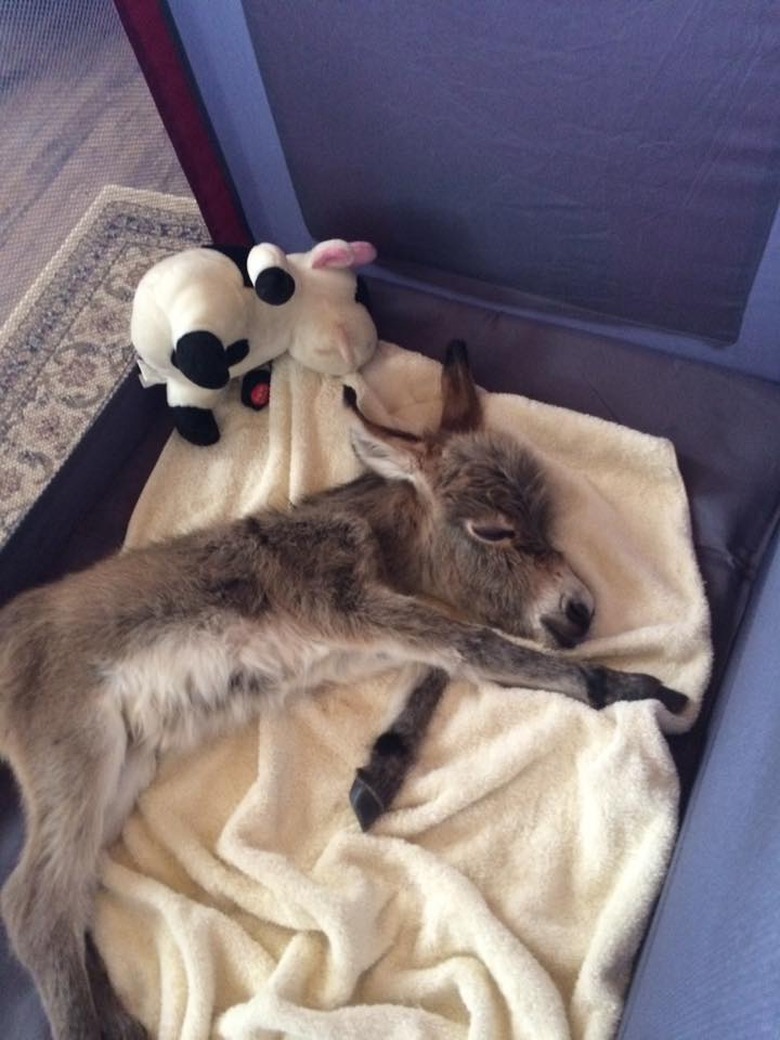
[48, 900]
[395, 751]
[46, 905]
[115, 1022]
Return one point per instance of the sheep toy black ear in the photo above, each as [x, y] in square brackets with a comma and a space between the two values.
[275, 286]
[206, 316]
[269, 273]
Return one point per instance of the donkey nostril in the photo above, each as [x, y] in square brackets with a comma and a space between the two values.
[579, 614]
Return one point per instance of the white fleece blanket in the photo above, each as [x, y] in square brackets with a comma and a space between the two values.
[506, 893]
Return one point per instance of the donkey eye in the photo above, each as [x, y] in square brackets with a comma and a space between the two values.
[492, 533]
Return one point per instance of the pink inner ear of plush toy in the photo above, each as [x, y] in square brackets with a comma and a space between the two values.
[342, 254]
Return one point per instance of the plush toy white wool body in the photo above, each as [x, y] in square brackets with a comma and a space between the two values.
[199, 320]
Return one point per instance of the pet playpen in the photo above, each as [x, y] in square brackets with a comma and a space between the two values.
[587, 194]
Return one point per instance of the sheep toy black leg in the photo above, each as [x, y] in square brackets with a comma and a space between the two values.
[196, 425]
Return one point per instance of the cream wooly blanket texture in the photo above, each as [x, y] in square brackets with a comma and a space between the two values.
[505, 894]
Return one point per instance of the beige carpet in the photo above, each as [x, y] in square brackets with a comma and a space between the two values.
[66, 348]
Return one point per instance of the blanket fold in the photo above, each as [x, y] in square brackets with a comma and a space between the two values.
[506, 892]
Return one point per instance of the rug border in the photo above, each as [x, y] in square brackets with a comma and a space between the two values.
[21, 454]
[181, 204]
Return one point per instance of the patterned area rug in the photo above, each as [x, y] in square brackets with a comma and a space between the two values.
[66, 348]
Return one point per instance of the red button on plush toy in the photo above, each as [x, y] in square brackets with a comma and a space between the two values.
[261, 395]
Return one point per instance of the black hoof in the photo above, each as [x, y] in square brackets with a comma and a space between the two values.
[674, 701]
[365, 802]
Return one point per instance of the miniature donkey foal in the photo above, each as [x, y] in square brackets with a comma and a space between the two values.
[154, 649]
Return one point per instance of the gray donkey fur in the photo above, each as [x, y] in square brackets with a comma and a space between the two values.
[157, 648]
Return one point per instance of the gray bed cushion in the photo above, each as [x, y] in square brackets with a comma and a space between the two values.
[624, 163]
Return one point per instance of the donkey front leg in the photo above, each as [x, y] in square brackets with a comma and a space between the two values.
[495, 657]
[479, 652]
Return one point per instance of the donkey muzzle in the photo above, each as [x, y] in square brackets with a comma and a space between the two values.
[570, 624]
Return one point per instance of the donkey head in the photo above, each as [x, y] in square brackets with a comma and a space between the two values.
[486, 517]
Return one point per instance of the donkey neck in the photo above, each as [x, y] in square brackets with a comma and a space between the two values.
[399, 522]
[398, 517]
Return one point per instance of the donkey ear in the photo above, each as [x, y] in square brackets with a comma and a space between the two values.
[393, 454]
[391, 461]
[461, 410]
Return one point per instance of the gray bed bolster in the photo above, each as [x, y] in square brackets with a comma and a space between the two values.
[711, 962]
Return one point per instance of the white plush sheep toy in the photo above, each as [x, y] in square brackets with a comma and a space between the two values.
[208, 315]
